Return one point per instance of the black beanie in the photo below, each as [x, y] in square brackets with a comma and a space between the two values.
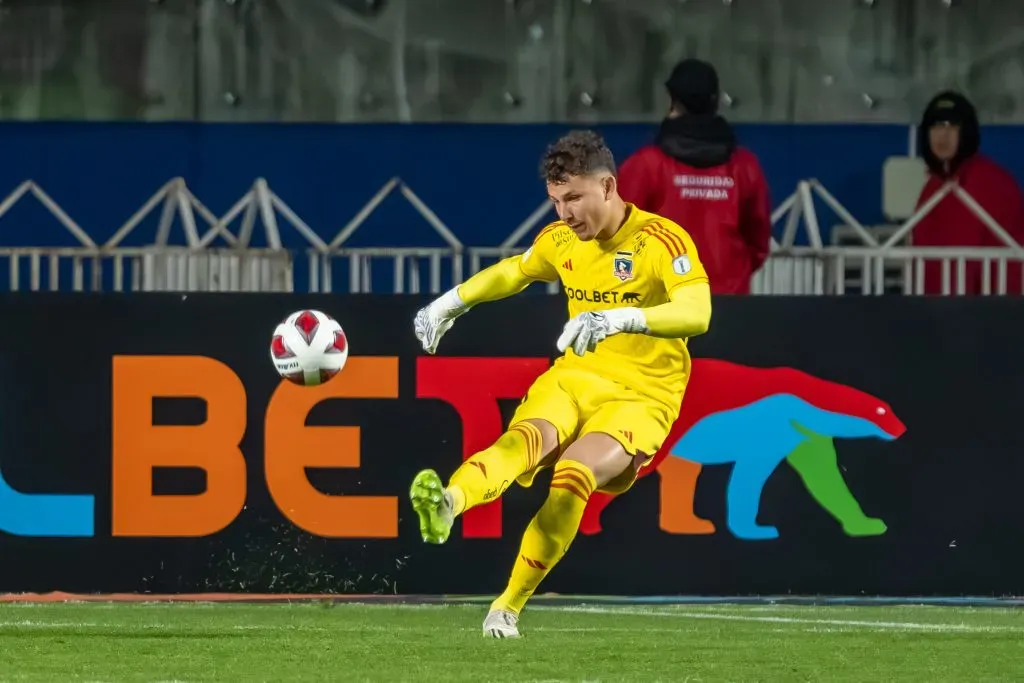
[694, 84]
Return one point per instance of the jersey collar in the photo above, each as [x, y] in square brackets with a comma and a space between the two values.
[624, 231]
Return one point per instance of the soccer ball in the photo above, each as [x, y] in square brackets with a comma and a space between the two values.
[309, 348]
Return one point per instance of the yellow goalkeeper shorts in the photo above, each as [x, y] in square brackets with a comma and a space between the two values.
[578, 402]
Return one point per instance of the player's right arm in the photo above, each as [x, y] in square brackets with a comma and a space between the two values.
[506, 277]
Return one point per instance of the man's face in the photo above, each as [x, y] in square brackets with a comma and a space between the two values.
[583, 203]
[944, 139]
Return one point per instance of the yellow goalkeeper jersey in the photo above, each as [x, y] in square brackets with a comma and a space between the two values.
[642, 265]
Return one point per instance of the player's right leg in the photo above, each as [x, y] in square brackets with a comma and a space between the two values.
[433, 505]
[481, 478]
[545, 418]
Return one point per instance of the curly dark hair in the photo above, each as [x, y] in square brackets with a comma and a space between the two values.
[580, 152]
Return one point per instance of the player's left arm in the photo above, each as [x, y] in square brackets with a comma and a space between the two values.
[678, 266]
[686, 314]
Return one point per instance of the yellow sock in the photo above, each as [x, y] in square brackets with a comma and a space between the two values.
[549, 534]
[485, 475]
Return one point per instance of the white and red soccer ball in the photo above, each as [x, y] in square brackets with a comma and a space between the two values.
[309, 348]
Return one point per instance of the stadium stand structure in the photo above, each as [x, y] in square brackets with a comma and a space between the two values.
[870, 260]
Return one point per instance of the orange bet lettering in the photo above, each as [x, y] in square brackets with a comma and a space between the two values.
[139, 446]
[291, 447]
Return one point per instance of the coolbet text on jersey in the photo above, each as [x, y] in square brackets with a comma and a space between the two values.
[640, 266]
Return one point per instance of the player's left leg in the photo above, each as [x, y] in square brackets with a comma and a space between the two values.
[590, 462]
[614, 443]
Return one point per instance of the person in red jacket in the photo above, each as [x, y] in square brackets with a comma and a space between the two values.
[949, 137]
[697, 175]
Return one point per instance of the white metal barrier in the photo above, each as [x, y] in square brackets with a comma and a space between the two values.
[897, 270]
[413, 270]
[216, 270]
[882, 261]
[146, 269]
[161, 266]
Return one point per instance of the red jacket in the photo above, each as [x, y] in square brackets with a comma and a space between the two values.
[715, 190]
[952, 224]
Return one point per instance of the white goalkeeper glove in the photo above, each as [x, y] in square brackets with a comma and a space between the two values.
[434, 320]
[586, 330]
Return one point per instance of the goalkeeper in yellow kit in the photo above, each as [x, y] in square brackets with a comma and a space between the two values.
[636, 291]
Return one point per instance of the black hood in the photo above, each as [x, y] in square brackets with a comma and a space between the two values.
[950, 107]
[698, 140]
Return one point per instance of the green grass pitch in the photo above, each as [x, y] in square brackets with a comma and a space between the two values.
[353, 642]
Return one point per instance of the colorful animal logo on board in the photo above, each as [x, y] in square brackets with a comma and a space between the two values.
[755, 419]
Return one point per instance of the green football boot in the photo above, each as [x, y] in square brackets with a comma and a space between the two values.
[433, 505]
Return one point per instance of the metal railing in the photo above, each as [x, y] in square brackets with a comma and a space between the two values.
[897, 270]
[145, 269]
[159, 267]
[216, 259]
[413, 270]
[882, 260]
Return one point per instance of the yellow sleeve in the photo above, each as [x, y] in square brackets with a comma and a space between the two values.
[678, 266]
[538, 262]
[513, 274]
[677, 261]
[688, 314]
[501, 280]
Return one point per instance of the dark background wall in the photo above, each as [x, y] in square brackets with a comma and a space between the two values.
[945, 490]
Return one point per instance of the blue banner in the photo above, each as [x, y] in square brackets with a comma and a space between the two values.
[480, 180]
